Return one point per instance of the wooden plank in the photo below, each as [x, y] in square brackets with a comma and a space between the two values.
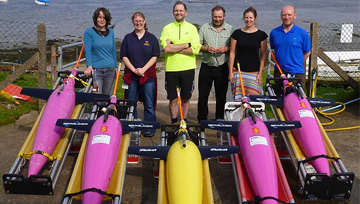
[30, 62]
[41, 43]
[53, 64]
[338, 70]
[314, 36]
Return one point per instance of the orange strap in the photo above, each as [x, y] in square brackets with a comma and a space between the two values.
[241, 81]
[273, 56]
[179, 99]
[117, 79]
[78, 61]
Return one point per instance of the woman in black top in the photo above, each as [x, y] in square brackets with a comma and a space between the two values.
[244, 49]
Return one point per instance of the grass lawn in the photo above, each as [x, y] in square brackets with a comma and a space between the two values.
[9, 111]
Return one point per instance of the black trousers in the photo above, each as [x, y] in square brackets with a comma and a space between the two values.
[208, 75]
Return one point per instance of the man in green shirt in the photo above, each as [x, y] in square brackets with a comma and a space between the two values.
[215, 42]
[180, 41]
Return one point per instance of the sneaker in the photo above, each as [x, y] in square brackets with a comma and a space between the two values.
[148, 134]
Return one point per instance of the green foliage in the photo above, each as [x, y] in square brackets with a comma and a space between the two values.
[338, 93]
[120, 91]
[28, 80]
[3, 75]
[10, 112]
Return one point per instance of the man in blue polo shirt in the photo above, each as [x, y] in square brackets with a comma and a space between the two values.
[291, 44]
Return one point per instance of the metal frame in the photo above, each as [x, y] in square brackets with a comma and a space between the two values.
[316, 185]
[15, 182]
[129, 116]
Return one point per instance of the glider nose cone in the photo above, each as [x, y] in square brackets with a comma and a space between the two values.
[92, 198]
[269, 201]
[36, 163]
[322, 166]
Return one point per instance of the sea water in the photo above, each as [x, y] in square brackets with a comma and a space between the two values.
[67, 19]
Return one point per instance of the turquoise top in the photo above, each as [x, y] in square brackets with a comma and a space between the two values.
[100, 50]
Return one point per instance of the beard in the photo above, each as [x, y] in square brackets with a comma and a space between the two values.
[217, 23]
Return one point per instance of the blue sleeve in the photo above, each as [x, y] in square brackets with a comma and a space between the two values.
[307, 43]
[156, 47]
[114, 50]
[88, 46]
[123, 49]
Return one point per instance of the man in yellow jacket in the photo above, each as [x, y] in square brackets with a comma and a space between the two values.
[181, 43]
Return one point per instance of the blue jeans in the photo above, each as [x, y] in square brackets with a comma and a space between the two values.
[146, 92]
[105, 79]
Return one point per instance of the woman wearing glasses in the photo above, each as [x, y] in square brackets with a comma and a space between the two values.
[139, 51]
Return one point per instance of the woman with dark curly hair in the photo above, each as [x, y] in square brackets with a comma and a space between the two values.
[100, 51]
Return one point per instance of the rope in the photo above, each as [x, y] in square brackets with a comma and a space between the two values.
[84, 83]
[92, 190]
[257, 199]
[314, 158]
[332, 121]
[182, 129]
[317, 157]
[326, 115]
[51, 158]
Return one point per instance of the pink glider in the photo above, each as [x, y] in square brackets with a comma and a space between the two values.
[258, 155]
[298, 107]
[257, 150]
[100, 156]
[60, 104]
[102, 149]
[308, 137]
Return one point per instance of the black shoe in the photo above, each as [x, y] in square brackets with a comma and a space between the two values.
[174, 120]
[148, 134]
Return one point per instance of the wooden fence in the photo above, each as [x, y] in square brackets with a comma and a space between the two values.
[313, 63]
[39, 59]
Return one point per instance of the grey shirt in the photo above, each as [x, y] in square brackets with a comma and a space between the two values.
[210, 37]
